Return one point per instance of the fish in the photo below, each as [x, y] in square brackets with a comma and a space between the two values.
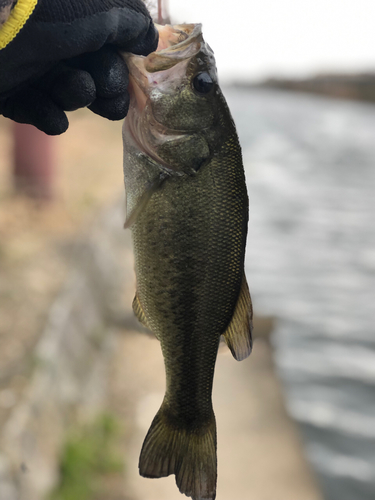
[187, 208]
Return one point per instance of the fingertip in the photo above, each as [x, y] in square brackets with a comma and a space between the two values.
[55, 127]
[54, 123]
[144, 44]
[108, 71]
[36, 108]
[73, 89]
[113, 109]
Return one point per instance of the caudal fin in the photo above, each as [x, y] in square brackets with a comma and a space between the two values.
[189, 453]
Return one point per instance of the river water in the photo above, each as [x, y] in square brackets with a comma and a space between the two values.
[310, 168]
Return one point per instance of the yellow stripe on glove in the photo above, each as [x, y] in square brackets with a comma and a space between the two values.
[18, 17]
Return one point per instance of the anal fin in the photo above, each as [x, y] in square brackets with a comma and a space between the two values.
[238, 335]
[139, 312]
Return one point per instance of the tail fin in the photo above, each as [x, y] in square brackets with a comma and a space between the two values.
[190, 454]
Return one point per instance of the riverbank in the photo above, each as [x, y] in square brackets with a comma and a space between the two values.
[358, 87]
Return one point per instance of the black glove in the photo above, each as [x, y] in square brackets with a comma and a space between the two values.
[65, 57]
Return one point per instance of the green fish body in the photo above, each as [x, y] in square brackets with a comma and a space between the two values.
[187, 207]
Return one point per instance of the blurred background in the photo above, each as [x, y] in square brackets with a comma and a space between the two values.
[299, 78]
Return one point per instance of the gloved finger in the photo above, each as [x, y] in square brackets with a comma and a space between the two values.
[113, 109]
[107, 69]
[73, 89]
[145, 43]
[138, 25]
[34, 107]
[70, 88]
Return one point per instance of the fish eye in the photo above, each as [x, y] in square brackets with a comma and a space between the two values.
[203, 83]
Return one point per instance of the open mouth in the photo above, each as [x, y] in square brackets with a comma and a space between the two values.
[170, 35]
[176, 44]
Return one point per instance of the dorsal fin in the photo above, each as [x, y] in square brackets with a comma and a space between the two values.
[238, 334]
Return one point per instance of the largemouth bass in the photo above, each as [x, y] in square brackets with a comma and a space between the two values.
[187, 207]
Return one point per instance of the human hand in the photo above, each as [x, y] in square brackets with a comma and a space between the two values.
[65, 57]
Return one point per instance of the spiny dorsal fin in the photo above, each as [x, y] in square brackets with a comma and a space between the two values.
[139, 312]
[238, 334]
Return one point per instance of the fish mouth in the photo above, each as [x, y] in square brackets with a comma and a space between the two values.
[177, 44]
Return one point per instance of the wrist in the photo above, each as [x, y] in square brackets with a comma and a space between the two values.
[16, 20]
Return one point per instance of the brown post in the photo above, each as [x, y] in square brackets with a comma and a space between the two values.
[33, 169]
[160, 12]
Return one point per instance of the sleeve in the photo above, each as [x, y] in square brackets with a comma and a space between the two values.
[13, 16]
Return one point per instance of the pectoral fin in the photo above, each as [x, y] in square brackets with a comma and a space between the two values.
[142, 201]
[238, 334]
[143, 176]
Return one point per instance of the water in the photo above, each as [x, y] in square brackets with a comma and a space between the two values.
[310, 263]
